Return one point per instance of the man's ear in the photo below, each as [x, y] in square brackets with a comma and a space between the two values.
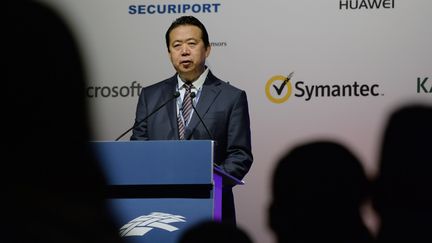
[208, 49]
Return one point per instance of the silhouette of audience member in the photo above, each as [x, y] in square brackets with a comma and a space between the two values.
[403, 188]
[55, 187]
[317, 192]
[215, 232]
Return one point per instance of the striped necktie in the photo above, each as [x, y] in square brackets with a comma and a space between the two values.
[186, 110]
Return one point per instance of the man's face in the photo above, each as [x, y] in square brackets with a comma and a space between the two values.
[187, 51]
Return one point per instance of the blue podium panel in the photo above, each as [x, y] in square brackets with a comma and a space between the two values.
[158, 220]
[158, 189]
[156, 162]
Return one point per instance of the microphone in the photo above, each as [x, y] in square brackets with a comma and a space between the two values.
[193, 95]
[175, 95]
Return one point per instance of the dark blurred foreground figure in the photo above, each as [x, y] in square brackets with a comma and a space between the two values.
[215, 232]
[403, 195]
[317, 192]
[55, 187]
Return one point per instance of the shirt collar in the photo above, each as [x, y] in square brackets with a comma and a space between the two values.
[197, 84]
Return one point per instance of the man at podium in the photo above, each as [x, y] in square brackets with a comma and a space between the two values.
[195, 104]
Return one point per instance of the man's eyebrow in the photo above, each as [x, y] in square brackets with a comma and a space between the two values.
[188, 39]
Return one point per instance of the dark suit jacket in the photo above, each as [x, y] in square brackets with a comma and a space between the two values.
[225, 112]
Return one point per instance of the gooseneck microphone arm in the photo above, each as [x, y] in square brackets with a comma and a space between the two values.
[175, 95]
[218, 168]
[193, 95]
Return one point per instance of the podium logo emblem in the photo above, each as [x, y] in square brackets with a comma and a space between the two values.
[145, 223]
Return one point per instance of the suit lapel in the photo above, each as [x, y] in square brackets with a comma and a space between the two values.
[210, 91]
[169, 90]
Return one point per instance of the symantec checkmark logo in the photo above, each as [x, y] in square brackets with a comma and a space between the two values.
[278, 88]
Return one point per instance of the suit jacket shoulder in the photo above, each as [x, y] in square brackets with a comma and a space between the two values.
[212, 80]
[169, 82]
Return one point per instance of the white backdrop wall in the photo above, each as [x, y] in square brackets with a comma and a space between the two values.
[385, 48]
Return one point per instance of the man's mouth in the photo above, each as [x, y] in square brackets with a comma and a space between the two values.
[186, 63]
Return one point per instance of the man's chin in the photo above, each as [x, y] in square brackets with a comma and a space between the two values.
[187, 75]
[186, 68]
[186, 71]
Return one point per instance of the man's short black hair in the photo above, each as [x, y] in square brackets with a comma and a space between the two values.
[188, 20]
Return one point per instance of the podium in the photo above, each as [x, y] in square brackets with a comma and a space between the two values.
[158, 189]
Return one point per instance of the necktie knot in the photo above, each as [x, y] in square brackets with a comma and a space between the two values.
[188, 86]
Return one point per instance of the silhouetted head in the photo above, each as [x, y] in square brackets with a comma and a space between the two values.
[317, 190]
[46, 83]
[402, 195]
[57, 185]
[214, 232]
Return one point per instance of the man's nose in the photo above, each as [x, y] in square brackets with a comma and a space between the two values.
[185, 50]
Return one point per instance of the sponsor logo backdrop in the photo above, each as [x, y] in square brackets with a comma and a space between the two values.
[353, 63]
